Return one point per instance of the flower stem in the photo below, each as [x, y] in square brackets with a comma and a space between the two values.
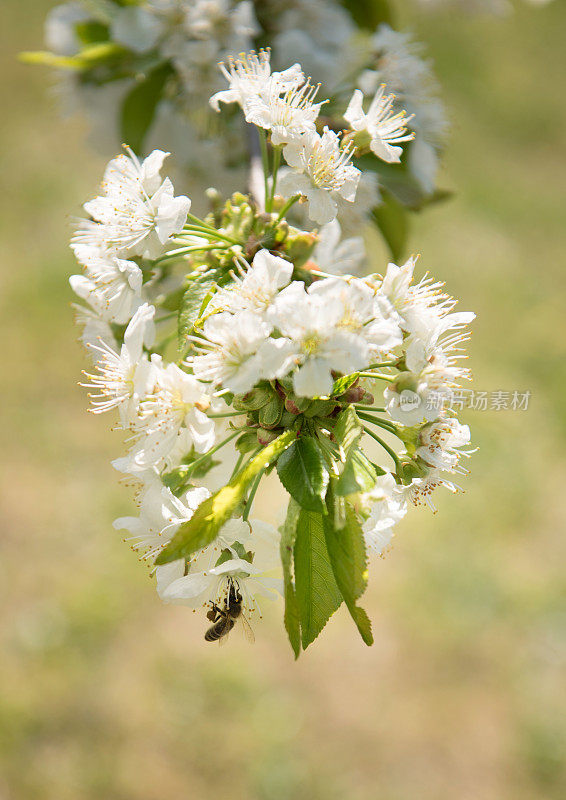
[228, 414]
[386, 447]
[182, 251]
[251, 496]
[211, 452]
[291, 202]
[382, 423]
[265, 162]
[211, 233]
[383, 364]
[369, 408]
[276, 163]
[377, 376]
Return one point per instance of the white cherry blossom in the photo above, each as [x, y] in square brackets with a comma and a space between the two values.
[122, 379]
[175, 406]
[385, 128]
[137, 212]
[387, 507]
[313, 339]
[230, 348]
[322, 173]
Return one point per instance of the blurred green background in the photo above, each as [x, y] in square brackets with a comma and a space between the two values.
[106, 693]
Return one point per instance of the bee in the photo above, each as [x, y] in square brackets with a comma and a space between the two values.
[224, 618]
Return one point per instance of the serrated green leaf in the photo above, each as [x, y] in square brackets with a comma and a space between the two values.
[358, 475]
[316, 590]
[214, 512]
[190, 307]
[342, 384]
[286, 546]
[303, 473]
[348, 429]
[392, 219]
[347, 552]
[138, 108]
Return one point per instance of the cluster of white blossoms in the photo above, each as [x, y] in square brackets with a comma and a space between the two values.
[141, 72]
[284, 105]
[226, 351]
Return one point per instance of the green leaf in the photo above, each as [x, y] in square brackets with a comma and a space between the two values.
[342, 384]
[347, 553]
[348, 429]
[369, 13]
[303, 473]
[91, 56]
[316, 590]
[190, 308]
[392, 219]
[286, 546]
[214, 512]
[138, 108]
[358, 475]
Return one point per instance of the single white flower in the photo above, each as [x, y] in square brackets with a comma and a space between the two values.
[123, 378]
[175, 406]
[160, 515]
[196, 584]
[364, 312]
[94, 331]
[441, 443]
[313, 339]
[256, 288]
[230, 347]
[286, 114]
[250, 76]
[111, 286]
[137, 212]
[420, 490]
[322, 172]
[387, 506]
[386, 129]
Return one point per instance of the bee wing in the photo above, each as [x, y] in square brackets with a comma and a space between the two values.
[247, 630]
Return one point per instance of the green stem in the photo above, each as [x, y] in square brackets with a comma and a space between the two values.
[276, 163]
[186, 250]
[369, 408]
[377, 376]
[386, 447]
[251, 496]
[291, 202]
[228, 414]
[237, 465]
[383, 364]
[265, 162]
[210, 232]
[383, 423]
[198, 461]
